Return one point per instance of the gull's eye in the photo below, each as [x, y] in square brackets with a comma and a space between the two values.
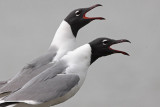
[77, 13]
[104, 42]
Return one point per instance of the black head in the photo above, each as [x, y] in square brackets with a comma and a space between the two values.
[102, 47]
[77, 18]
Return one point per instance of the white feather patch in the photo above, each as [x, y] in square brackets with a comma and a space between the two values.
[2, 101]
[12, 105]
[30, 102]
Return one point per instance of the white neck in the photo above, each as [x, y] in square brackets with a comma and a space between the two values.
[78, 62]
[81, 55]
[64, 40]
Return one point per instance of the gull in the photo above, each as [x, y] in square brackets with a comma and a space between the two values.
[62, 81]
[63, 41]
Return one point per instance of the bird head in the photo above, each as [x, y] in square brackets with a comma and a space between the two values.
[77, 18]
[102, 47]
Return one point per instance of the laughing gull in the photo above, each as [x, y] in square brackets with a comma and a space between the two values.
[62, 81]
[64, 41]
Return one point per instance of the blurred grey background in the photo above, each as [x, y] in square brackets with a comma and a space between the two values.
[28, 26]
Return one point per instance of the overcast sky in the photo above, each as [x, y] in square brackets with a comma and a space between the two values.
[28, 26]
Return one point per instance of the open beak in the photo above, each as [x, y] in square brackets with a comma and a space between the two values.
[92, 18]
[116, 42]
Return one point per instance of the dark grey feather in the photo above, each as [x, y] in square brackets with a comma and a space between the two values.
[7, 104]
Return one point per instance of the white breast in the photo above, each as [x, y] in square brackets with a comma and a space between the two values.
[78, 62]
[64, 40]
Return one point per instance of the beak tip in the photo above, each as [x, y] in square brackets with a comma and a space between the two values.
[124, 53]
[127, 54]
[129, 41]
[99, 5]
[103, 18]
[125, 40]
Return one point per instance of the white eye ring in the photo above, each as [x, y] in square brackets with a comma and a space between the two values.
[77, 13]
[104, 42]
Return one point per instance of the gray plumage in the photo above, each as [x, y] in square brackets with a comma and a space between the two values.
[2, 83]
[49, 85]
[32, 69]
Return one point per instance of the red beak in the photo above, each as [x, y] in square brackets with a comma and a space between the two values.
[92, 18]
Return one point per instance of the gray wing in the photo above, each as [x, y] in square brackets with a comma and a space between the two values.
[49, 85]
[28, 72]
[2, 83]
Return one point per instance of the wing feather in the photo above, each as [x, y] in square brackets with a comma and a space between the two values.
[49, 85]
[32, 69]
